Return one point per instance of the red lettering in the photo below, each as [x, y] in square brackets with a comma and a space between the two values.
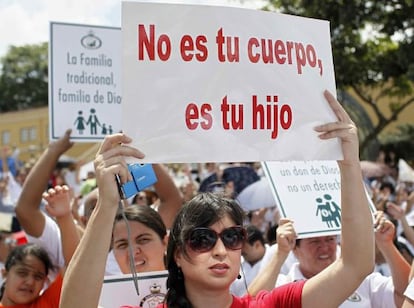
[258, 113]
[186, 45]
[285, 116]
[253, 42]
[187, 48]
[191, 114]
[145, 42]
[205, 114]
[311, 55]
[220, 42]
[280, 52]
[300, 57]
[164, 47]
[289, 46]
[201, 41]
[267, 56]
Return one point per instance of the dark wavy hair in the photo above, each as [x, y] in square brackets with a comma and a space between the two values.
[144, 215]
[203, 210]
[19, 253]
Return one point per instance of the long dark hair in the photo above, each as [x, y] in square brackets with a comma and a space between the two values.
[202, 211]
[19, 253]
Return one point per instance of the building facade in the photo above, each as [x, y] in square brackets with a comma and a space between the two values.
[28, 131]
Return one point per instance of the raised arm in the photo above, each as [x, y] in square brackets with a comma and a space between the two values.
[87, 267]
[12, 188]
[170, 196]
[267, 276]
[4, 162]
[58, 206]
[4, 176]
[28, 205]
[334, 284]
[400, 269]
[397, 212]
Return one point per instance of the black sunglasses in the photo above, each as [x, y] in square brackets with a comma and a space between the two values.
[204, 239]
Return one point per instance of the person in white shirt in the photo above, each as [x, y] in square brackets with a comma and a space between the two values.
[317, 253]
[42, 229]
[253, 251]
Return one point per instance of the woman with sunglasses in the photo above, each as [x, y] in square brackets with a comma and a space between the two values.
[204, 249]
[203, 256]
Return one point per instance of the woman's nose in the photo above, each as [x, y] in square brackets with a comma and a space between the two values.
[219, 248]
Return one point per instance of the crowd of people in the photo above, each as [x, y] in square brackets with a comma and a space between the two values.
[61, 233]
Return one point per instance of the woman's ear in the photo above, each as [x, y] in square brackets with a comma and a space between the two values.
[178, 257]
[165, 239]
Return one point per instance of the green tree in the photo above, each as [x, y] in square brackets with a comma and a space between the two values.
[24, 77]
[372, 43]
[401, 141]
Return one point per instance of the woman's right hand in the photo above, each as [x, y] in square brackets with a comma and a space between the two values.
[109, 162]
[286, 235]
[344, 129]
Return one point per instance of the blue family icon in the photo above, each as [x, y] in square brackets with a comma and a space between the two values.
[80, 122]
[329, 211]
[93, 122]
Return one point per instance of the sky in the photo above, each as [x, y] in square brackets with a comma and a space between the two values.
[27, 21]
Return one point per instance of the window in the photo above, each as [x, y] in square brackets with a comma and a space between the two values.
[32, 133]
[24, 135]
[5, 137]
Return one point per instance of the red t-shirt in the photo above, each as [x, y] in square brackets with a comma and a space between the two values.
[286, 296]
[49, 299]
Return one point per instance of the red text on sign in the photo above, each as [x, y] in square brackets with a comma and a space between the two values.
[148, 42]
[227, 47]
[268, 51]
[189, 48]
[268, 116]
[231, 115]
[195, 116]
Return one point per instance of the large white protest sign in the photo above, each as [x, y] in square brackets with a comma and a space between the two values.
[119, 291]
[208, 83]
[84, 81]
[309, 193]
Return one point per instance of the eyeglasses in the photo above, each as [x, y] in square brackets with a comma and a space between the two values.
[204, 239]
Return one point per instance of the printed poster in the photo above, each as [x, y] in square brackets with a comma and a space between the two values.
[84, 81]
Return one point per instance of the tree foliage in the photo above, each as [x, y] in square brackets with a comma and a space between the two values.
[402, 142]
[24, 77]
[372, 44]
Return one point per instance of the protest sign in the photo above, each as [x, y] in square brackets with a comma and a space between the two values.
[208, 83]
[84, 81]
[309, 193]
[118, 291]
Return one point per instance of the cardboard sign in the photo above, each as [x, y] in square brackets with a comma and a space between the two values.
[119, 291]
[309, 193]
[84, 81]
[208, 83]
